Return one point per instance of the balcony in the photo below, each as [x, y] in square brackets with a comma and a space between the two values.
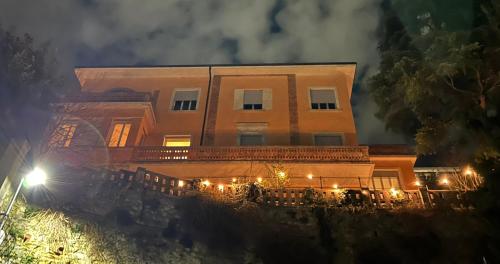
[263, 153]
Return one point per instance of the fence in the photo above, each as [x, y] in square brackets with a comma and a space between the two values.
[293, 197]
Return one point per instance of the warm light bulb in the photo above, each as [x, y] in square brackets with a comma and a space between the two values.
[36, 177]
[281, 174]
[444, 181]
[335, 186]
[181, 183]
[220, 187]
[310, 176]
[417, 183]
[259, 179]
[205, 182]
[234, 179]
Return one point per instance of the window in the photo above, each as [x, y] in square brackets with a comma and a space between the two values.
[185, 100]
[323, 99]
[177, 141]
[385, 179]
[252, 100]
[251, 140]
[63, 135]
[328, 140]
[119, 135]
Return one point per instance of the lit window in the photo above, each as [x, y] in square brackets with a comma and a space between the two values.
[328, 140]
[323, 99]
[63, 135]
[252, 100]
[120, 134]
[177, 141]
[185, 100]
[251, 140]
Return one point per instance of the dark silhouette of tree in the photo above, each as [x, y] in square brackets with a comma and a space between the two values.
[29, 82]
[439, 79]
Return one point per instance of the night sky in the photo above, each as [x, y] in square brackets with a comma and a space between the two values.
[162, 32]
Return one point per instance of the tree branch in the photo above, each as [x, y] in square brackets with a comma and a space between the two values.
[451, 84]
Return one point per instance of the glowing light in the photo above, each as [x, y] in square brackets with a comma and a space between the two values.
[36, 177]
[417, 183]
[220, 187]
[468, 171]
[394, 192]
[445, 181]
[335, 186]
[365, 192]
[181, 183]
[234, 179]
[281, 173]
[205, 182]
[310, 176]
[259, 180]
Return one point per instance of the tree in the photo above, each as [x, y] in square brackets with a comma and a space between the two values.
[28, 83]
[439, 79]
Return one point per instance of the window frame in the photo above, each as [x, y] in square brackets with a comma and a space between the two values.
[65, 139]
[342, 137]
[178, 136]
[263, 143]
[112, 129]
[172, 99]
[253, 105]
[384, 188]
[335, 91]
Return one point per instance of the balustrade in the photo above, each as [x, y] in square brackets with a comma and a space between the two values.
[263, 153]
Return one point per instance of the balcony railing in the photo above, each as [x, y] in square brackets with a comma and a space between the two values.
[263, 153]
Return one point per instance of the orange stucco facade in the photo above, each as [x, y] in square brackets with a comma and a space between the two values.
[289, 123]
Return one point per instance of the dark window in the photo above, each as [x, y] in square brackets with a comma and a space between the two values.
[328, 140]
[185, 100]
[252, 100]
[323, 99]
[251, 140]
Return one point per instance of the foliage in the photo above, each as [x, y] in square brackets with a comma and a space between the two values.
[339, 194]
[46, 236]
[278, 174]
[439, 80]
[28, 83]
[465, 181]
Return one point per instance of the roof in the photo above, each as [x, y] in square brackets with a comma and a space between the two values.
[216, 65]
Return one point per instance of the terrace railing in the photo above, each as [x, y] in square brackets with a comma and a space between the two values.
[261, 153]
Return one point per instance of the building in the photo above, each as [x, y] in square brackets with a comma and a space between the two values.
[220, 122]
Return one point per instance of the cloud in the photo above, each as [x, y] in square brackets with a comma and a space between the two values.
[128, 32]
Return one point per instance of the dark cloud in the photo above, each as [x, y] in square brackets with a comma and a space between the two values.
[131, 32]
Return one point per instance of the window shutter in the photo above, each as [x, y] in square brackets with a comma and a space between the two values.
[267, 99]
[186, 96]
[323, 96]
[238, 99]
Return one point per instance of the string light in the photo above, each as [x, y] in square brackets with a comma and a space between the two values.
[445, 181]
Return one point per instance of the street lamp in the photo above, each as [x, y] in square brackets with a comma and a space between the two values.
[36, 177]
